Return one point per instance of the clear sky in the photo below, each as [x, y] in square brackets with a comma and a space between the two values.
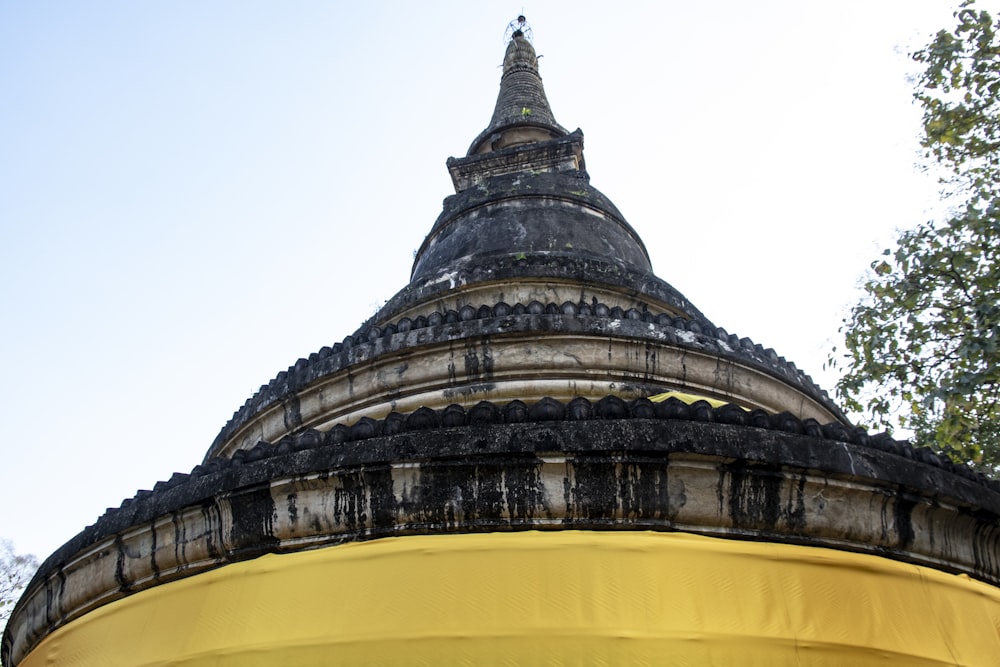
[195, 194]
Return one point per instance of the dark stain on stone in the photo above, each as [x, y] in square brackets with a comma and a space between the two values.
[350, 501]
[487, 495]
[886, 527]
[124, 585]
[209, 514]
[652, 365]
[795, 512]
[545, 439]
[293, 510]
[754, 494]
[456, 495]
[292, 413]
[986, 547]
[466, 389]
[487, 347]
[594, 491]
[381, 501]
[478, 360]
[438, 496]
[471, 361]
[643, 490]
[152, 550]
[61, 591]
[54, 606]
[524, 493]
[253, 513]
[180, 539]
[676, 497]
[902, 511]
[568, 491]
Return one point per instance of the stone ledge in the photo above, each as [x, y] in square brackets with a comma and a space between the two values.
[585, 272]
[369, 433]
[607, 465]
[563, 154]
[526, 212]
[372, 340]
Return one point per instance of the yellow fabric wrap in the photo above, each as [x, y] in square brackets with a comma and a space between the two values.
[690, 399]
[546, 598]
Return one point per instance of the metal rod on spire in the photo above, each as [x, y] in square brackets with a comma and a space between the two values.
[519, 27]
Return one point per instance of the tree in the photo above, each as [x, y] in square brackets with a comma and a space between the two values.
[923, 343]
[16, 571]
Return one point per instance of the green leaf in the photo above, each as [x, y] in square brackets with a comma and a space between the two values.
[922, 347]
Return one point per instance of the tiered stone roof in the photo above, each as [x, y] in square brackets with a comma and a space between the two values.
[522, 113]
[506, 388]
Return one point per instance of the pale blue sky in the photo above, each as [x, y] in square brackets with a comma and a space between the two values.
[195, 194]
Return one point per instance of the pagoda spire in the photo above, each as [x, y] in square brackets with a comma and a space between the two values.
[522, 114]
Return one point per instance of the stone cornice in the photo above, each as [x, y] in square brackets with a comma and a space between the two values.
[608, 464]
[524, 212]
[372, 342]
[586, 272]
[563, 154]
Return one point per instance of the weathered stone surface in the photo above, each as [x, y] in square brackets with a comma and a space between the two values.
[522, 114]
[528, 354]
[606, 282]
[553, 214]
[540, 468]
[560, 155]
[504, 389]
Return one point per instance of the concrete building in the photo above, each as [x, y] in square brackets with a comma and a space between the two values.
[537, 452]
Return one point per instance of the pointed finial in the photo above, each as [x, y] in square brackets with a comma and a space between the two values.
[519, 27]
[522, 114]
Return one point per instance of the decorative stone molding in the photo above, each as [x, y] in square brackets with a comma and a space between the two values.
[565, 154]
[587, 273]
[522, 351]
[557, 214]
[605, 465]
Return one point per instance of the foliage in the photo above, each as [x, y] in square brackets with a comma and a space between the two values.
[923, 344]
[16, 571]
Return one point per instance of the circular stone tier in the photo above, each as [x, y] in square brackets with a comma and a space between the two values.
[538, 277]
[555, 214]
[581, 465]
[525, 351]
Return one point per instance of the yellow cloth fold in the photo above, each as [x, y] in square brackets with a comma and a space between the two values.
[545, 598]
[687, 398]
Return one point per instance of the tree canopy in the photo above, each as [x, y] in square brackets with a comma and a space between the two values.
[922, 346]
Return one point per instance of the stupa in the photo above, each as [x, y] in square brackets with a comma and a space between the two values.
[537, 452]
